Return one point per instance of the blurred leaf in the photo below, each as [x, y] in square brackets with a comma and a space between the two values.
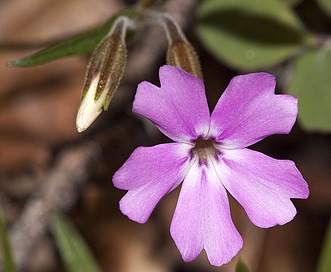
[241, 266]
[7, 257]
[250, 34]
[325, 6]
[311, 83]
[74, 252]
[80, 44]
[324, 264]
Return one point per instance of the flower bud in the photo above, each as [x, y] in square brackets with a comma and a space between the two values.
[104, 72]
[180, 52]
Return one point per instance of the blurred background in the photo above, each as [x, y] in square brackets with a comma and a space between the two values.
[46, 165]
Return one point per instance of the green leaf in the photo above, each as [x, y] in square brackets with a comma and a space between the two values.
[324, 264]
[7, 257]
[325, 6]
[73, 250]
[310, 82]
[250, 34]
[80, 44]
[241, 266]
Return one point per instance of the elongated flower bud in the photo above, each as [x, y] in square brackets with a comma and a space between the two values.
[180, 52]
[104, 72]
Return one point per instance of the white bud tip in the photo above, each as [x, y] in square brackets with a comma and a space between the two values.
[90, 109]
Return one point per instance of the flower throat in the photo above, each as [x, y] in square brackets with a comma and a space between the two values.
[204, 150]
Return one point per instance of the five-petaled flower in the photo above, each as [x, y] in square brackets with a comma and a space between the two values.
[210, 156]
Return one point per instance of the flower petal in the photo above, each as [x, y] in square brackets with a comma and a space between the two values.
[178, 108]
[149, 174]
[202, 219]
[249, 111]
[262, 185]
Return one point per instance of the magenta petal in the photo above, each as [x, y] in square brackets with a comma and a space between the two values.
[178, 108]
[149, 174]
[202, 219]
[262, 185]
[249, 111]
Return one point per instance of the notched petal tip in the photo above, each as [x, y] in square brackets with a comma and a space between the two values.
[305, 192]
[249, 111]
[148, 175]
[264, 186]
[128, 210]
[178, 107]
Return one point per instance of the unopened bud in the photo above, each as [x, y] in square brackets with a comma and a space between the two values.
[180, 52]
[103, 75]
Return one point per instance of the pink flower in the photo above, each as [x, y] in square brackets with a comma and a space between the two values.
[209, 156]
